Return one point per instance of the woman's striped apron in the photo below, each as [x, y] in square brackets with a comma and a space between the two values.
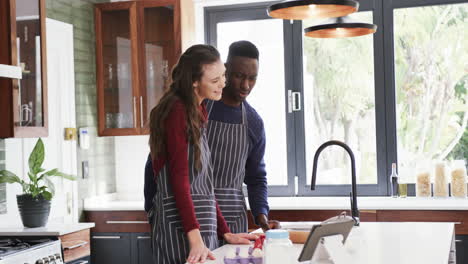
[229, 147]
[169, 241]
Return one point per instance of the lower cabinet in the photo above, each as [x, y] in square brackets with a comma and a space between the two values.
[141, 248]
[121, 248]
[83, 260]
[461, 243]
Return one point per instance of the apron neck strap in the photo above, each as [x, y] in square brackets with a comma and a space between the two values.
[209, 107]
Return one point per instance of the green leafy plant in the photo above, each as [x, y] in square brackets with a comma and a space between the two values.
[39, 183]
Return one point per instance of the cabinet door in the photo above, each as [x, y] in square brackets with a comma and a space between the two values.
[461, 243]
[83, 260]
[24, 101]
[141, 249]
[112, 248]
[159, 46]
[117, 68]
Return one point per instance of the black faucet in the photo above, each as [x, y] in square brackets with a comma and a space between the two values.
[352, 195]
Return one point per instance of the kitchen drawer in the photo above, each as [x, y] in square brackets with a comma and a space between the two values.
[76, 245]
[83, 260]
[461, 243]
[311, 215]
[118, 221]
[460, 218]
[111, 248]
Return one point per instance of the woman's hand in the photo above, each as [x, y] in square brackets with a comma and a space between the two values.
[198, 251]
[241, 238]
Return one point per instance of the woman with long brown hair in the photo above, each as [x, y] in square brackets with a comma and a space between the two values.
[186, 220]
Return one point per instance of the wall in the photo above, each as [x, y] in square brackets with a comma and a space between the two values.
[2, 185]
[100, 155]
[131, 153]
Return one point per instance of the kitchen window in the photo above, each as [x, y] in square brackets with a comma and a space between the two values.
[351, 89]
[431, 82]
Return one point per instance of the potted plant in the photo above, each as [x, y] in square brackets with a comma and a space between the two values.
[34, 202]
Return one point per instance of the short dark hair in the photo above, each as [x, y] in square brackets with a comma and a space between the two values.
[243, 48]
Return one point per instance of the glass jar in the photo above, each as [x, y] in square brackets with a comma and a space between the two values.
[440, 180]
[458, 179]
[423, 181]
[278, 247]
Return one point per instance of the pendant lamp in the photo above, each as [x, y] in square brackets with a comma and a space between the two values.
[304, 9]
[341, 27]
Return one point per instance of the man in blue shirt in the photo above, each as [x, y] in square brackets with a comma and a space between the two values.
[236, 137]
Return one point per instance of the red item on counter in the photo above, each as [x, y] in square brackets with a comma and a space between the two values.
[259, 242]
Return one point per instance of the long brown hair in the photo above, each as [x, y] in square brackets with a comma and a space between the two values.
[188, 70]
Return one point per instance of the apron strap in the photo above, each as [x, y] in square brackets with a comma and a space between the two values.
[244, 114]
[209, 107]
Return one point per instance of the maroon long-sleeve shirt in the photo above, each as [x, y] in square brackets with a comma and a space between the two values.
[176, 158]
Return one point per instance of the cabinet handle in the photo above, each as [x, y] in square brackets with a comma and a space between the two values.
[82, 262]
[141, 111]
[143, 237]
[106, 237]
[82, 243]
[458, 241]
[134, 110]
[457, 223]
[127, 222]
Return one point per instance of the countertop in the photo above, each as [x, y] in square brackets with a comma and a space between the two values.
[52, 229]
[310, 203]
[387, 243]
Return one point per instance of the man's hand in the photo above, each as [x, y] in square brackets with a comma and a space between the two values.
[266, 224]
[241, 238]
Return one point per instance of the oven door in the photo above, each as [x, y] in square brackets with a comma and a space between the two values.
[83, 260]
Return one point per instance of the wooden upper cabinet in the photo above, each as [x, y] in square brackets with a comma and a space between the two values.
[23, 103]
[137, 43]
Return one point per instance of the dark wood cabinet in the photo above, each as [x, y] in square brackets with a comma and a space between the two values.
[135, 227]
[141, 248]
[461, 244]
[23, 102]
[137, 43]
[112, 248]
[84, 260]
[116, 248]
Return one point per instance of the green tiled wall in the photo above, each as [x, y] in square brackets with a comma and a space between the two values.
[3, 185]
[100, 156]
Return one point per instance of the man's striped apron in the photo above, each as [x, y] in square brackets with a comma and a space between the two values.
[229, 145]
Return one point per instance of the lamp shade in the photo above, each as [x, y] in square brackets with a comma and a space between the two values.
[304, 9]
[341, 27]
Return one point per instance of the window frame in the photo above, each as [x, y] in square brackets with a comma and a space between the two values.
[255, 11]
[384, 85]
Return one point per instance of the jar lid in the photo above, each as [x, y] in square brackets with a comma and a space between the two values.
[277, 233]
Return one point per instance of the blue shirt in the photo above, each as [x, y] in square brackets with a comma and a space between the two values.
[255, 173]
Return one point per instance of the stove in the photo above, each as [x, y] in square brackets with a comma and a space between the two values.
[30, 250]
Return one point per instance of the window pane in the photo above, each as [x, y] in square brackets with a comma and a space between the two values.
[431, 60]
[268, 96]
[340, 105]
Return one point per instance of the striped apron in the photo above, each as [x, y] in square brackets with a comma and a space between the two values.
[169, 241]
[229, 147]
